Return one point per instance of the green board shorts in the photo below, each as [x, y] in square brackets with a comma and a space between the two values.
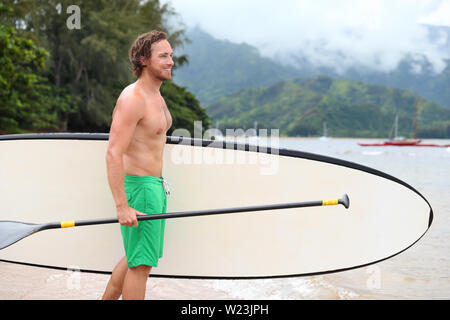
[144, 244]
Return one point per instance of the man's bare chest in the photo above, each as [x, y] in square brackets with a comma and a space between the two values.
[157, 120]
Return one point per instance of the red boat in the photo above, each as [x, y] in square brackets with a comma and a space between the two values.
[402, 142]
[395, 142]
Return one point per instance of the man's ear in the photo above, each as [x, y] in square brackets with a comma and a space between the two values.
[143, 61]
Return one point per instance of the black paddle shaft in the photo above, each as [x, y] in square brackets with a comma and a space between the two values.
[13, 231]
[344, 201]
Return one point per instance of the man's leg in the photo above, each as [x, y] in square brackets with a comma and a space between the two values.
[115, 284]
[135, 283]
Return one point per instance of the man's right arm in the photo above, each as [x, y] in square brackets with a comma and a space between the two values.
[127, 113]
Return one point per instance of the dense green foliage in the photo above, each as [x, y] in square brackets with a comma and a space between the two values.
[28, 102]
[86, 67]
[350, 109]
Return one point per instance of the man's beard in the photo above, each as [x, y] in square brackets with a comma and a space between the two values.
[160, 75]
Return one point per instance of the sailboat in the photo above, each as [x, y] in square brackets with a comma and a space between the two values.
[325, 132]
[396, 140]
[401, 141]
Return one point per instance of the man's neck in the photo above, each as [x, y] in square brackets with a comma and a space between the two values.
[149, 83]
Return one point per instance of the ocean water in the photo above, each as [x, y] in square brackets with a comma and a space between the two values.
[421, 272]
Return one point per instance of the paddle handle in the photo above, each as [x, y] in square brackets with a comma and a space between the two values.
[344, 201]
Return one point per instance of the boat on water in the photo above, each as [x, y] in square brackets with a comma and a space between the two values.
[324, 137]
[401, 141]
[404, 143]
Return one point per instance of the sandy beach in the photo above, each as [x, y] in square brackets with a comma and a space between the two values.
[22, 282]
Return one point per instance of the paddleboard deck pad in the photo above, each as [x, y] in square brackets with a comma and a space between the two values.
[55, 177]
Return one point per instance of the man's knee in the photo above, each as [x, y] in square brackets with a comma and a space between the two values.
[142, 269]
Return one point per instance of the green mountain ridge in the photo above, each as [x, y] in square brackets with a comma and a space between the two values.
[218, 67]
[299, 107]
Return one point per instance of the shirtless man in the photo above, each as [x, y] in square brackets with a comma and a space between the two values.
[134, 164]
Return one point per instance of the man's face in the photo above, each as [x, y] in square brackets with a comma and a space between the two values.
[160, 63]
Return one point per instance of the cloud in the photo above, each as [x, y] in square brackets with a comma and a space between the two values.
[337, 34]
[440, 16]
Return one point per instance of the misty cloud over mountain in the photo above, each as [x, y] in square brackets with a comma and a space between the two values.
[338, 35]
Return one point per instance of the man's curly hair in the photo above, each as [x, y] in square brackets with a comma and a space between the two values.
[142, 47]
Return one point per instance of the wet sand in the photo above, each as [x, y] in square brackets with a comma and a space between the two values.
[21, 282]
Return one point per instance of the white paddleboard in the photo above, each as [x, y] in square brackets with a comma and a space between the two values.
[54, 177]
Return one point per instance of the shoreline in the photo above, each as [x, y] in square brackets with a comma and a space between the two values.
[325, 138]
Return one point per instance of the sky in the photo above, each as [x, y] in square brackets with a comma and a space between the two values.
[331, 33]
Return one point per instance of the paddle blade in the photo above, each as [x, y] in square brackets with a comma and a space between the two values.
[13, 231]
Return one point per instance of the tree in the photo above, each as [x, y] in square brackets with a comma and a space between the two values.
[27, 100]
[91, 63]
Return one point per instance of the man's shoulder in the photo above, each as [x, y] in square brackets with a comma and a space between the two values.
[131, 97]
[130, 104]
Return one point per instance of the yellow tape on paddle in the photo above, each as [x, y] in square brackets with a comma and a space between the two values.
[330, 202]
[67, 224]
